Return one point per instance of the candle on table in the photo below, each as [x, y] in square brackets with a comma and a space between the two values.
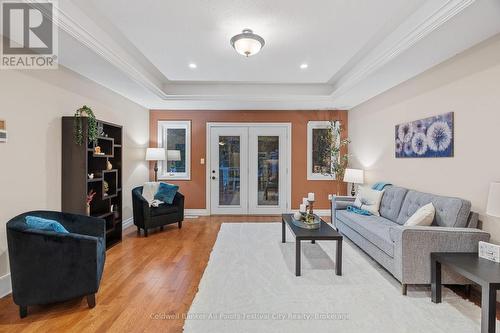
[302, 208]
[310, 196]
[305, 201]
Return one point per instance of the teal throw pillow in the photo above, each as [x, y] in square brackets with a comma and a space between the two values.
[35, 222]
[166, 193]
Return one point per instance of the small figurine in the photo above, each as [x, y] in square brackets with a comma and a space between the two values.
[109, 166]
[91, 176]
[105, 187]
[97, 150]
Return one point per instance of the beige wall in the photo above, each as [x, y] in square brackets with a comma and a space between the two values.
[32, 103]
[469, 85]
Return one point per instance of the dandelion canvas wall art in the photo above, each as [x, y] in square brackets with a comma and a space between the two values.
[429, 137]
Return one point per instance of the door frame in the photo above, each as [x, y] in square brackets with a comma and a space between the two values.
[208, 157]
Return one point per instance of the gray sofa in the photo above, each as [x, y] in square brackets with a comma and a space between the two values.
[405, 251]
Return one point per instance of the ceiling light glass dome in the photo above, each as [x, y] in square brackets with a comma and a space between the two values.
[247, 43]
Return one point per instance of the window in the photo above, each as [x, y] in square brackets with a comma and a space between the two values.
[175, 137]
[319, 142]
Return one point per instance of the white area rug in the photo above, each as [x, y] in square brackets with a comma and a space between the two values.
[249, 285]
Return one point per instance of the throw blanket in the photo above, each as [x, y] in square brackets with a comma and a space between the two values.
[149, 191]
[380, 186]
[359, 211]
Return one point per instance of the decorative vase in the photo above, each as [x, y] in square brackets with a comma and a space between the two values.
[109, 166]
[87, 209]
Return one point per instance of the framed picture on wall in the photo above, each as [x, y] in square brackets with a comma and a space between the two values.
[3, 131]
[428, 137]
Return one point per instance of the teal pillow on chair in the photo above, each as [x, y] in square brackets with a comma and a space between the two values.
[166, 193]
[39, 223]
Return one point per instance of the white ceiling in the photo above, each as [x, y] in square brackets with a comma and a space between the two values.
[171, 34]
[142, 49]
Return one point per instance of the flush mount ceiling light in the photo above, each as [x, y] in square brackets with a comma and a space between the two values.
[247, 43]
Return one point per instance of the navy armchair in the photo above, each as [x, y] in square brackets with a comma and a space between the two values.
[48, 267]
[146, 217]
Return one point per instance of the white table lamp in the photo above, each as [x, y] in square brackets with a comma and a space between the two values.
[354, 176]
[493, 206]
[155, 154]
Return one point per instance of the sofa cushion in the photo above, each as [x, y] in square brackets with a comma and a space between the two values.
[392, 201]
[163, 209]
[423, 217]
[368, 199]
[450, 212]
[374, 228]
[39, 223]
[166, 192]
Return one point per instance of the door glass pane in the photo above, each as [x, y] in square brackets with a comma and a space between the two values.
[268, 170]
[176, 149]
[229, 170]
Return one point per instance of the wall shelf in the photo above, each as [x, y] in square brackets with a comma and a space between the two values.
[78, 161]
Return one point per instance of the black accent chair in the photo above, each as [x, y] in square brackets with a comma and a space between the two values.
[146, 217]
[48, 267]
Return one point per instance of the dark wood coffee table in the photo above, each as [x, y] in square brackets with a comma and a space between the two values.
[325, 232]
[484, 272]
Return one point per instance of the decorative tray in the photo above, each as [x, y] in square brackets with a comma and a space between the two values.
[313, 223]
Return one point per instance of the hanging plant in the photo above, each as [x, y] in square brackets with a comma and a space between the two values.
[92, 132]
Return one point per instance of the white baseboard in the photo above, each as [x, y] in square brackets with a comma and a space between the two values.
[127, 223]
[319, 212]
[5, 285]
[190, 213]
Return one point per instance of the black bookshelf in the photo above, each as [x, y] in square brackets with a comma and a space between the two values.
[78, 161]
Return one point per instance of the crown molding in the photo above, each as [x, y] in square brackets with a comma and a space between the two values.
[424, 21]
[66, 22]
[429, 17]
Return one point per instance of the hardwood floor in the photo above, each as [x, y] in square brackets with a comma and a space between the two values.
[145, 281]
[143, 278]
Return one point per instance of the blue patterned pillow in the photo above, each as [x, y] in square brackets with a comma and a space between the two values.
[39, 223]
[166, 193]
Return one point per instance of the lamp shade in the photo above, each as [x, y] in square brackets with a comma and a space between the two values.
[355, 176]
[155, 154]
[173, 155]
[493, 207]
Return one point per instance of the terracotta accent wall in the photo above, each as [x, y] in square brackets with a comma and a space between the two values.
[195, 189]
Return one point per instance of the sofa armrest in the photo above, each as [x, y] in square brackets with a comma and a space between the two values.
[340, 203]
[140, 208]
[84, 225]
[179, 202]
[413, 246]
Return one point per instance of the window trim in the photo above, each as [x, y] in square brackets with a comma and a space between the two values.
[164, 125]
[311, 125]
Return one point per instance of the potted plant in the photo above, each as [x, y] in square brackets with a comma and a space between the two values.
[92, 132]
[336, 149]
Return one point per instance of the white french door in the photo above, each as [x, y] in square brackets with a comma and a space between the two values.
[249, 169]
[267, 170]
